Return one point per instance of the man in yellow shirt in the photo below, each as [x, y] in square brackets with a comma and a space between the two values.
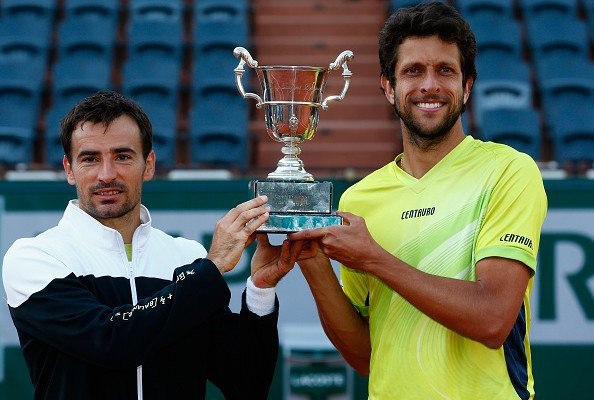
[438, 248]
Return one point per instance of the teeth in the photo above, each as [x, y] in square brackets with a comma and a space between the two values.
[110, 193]
[430, 105]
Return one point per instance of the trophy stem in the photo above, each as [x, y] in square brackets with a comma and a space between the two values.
[290, 167]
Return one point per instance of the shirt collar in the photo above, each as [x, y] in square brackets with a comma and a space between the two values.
[85, 226]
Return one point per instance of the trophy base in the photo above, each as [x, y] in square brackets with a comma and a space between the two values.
[296, 205]
[288, 223]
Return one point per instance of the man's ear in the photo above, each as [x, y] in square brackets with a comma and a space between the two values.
[149, 169]
[388, 89]
[68, 170]
[468, 88]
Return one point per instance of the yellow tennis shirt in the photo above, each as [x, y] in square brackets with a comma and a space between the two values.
[481, 200]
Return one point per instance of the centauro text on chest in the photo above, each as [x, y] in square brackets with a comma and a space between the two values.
[421, 212]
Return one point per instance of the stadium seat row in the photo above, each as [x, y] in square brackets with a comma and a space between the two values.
[155, 42]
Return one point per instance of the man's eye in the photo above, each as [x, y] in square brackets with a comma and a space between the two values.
[88, 159]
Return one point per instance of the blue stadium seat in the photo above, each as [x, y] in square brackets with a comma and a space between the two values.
[74, 75]
[156, 10]
[148, 70]
[16, 145]
[219, 27]
[495, 94]
[22, 42]
[19, 74]
[589, 11]
[19, 109]
[502, 81]
[566, 91]
[213, 50]
[589, 8]
[99, 11]
[156, 38]
[20, 103]
[164, 145]
[221, 10]
[534, 8]
[79, 37]
[15, 28]
[67, 97]
[38, 7]
[558, 66]
[496, 33]
[571, 126]
[219, 124]
[160, 102]
[496, 8]
[516, 127]
[552, 33]
[498, 67]
[38, 13]
[73, 81]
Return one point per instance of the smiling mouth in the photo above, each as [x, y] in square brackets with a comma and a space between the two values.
[108, 192]
[430, 106]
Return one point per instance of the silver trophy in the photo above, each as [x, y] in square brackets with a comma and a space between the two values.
[292, 97]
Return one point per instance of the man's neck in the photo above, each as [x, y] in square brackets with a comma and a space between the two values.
[125, 225]
[417, 159]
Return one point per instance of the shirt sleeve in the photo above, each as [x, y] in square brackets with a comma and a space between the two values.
[243, 351]
[514, 214]
[68, 316]
[354, 282]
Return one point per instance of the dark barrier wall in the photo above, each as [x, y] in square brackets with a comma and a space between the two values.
[563, 294]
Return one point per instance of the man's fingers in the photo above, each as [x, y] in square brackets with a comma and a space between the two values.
[253, 203]
[308, 250]
[251, 225]
[288, 256]
[262, 238]
[245, 211]
[309, 234]
[294, 250]
[251, 239]
[347, 218]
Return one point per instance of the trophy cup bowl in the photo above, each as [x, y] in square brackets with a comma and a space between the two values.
[292, 97]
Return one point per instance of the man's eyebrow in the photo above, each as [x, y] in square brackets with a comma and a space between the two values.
[123, 150]
[86, 153]
[117, 150]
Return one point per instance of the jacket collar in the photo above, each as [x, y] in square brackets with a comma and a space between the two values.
[82, 225]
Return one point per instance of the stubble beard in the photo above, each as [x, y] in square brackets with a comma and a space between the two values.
[426, 138]
[106, 210]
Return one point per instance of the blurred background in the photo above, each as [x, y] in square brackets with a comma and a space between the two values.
[535, 92]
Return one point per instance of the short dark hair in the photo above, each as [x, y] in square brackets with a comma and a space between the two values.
[427, 19]
[104, 107]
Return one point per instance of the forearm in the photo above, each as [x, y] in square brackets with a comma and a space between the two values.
[69, 317]
[483, 310]
[343, 325]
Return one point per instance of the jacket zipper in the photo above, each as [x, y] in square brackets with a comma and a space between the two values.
[134, 301]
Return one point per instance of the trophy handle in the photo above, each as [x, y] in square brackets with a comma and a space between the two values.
[245, 58]
[341, 60]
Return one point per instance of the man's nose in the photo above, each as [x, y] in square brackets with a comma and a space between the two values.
[107, 171]
[430, 83]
